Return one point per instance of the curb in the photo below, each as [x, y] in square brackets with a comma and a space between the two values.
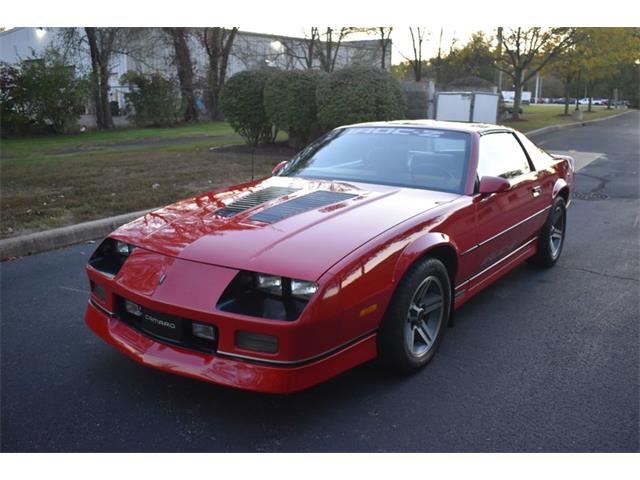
[553, 128]
[63, 237]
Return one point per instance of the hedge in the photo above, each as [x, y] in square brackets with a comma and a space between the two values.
[290, 104]
[242, 102]
[359, 94]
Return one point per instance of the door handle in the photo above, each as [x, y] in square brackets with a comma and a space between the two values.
[537, 190]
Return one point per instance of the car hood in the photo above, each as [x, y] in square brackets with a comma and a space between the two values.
[281, 225]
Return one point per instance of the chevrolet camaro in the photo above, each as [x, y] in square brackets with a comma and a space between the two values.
[359, 247]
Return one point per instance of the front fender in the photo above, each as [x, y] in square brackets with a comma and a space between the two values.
[418, 248]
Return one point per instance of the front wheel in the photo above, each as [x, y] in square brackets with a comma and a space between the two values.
[551, 239]
[416, 318]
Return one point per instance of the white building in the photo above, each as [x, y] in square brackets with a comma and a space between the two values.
[250, 51]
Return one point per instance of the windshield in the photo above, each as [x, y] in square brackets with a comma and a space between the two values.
[409, 157]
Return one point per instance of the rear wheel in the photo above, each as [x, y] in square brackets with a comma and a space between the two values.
[416, 318]
[551, 239]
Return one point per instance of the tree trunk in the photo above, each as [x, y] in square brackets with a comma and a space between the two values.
[517, 99]
[99, 79]
[185, 72]
[218, 43]
[567, 90]
[104, 95]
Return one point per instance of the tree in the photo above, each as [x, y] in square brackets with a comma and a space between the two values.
[475, 59]
[301, 52]
[595, 60]
[179, 40]
[102, 45]
[385, 43]
[528, 50]
[217, 43]
[329, 45]
[102, 42]
[417, 38]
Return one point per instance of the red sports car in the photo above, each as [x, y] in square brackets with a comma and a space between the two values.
[359, 247]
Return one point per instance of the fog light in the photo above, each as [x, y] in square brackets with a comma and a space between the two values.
[257, 342]
[133, 308]
[203, 331]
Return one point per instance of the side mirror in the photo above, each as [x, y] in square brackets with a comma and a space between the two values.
[489, 185]
[278, 167]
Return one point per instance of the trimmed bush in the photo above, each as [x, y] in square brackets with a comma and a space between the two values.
[290, 104]
[155, 99]
[359, 94]
[242, 102]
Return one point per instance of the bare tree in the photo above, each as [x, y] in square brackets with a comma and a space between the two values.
[217, 43]
[527, 51]
[301, 52]
[101, 45]
[329, 45]
[417, 38]
[385, 43]
[179, 40]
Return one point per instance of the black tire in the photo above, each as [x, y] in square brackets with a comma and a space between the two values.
[420, 315]
[549, 251]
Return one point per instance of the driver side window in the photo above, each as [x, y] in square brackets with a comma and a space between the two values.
[501, 156]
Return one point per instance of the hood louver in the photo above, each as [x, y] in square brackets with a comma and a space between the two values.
[253, 200]
[298, 205]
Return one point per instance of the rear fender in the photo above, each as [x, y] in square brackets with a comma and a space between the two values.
[558, 186]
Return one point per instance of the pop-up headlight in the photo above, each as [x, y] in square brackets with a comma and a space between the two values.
[267, 296]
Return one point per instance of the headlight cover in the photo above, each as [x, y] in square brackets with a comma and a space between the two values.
[267, 296]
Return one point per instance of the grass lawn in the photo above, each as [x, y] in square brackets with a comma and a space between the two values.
[538, 116]
[52, 181]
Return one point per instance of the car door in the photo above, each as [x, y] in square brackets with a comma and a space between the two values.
[502, 219]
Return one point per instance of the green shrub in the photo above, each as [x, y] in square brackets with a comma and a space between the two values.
[359, 94]
[242, 101]
[41, 94]
[290, 104]
[155, 99]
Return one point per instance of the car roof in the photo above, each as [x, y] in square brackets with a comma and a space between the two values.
[480, 128]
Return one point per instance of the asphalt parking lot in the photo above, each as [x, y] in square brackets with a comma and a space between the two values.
[544, 360]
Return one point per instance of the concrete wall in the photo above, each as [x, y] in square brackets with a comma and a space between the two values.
[419, 96]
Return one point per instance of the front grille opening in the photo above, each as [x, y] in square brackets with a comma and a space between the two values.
[164, 327]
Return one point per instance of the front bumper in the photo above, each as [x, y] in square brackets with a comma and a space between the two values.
[232, 372]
